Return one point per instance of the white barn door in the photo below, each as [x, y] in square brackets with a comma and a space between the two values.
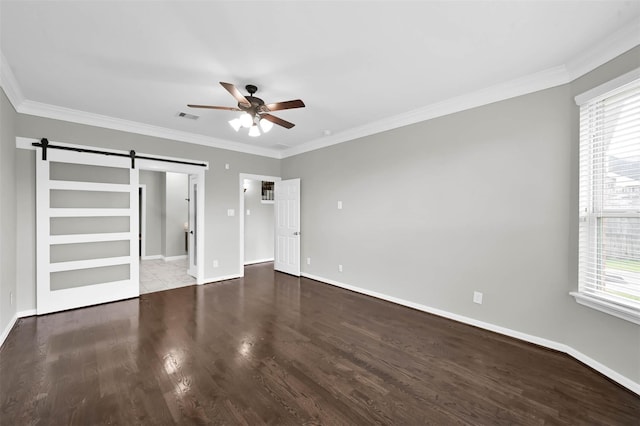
[287, 216]
[87, 230]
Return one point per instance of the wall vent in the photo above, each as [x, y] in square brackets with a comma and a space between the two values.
[187, 115]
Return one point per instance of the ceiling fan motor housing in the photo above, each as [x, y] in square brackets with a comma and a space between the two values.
[256, 103]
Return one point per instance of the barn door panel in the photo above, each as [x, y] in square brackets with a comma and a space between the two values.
[87, 230]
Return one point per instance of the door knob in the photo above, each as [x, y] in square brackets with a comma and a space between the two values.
[296, 233]
[191, 232]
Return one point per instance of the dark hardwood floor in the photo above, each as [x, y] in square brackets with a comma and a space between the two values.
[275, 349]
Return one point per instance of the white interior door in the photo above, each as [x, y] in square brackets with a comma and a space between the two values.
[87, 230]
[193, 225]
[287, 216]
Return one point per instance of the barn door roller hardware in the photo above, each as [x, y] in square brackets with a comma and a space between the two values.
[45, 145]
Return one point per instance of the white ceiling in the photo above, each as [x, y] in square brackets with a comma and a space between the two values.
[359, 66]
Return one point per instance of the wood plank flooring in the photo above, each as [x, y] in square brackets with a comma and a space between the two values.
[275, 349]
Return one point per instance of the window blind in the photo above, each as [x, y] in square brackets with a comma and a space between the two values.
[609, 235]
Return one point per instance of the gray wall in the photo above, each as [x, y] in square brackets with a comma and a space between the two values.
[258, 226]
[177, 213]
[167, 211]
[7, 212]
[154, 227]
[481, 200]
[221, 187]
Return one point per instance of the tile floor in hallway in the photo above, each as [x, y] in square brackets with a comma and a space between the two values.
[158, 275]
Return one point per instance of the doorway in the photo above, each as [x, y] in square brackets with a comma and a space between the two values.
[168, 230]
[256, 219]
[184, 234]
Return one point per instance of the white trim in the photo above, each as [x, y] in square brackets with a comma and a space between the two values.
[87, 264]
[16, 317]
[142, 230]
[164, 258]
[153, 257]
[27, 313]
[55, 112]
[10, 84]
[99, 160]
[623, 40]
[221, 278]
[607, 87]
[172, 258]
[200, 241]
[66, 185]
[253, 262]
[603, 369]
[88, 212]
[88, 238]
[8, 328]
[610, 308]
[521, 86]
[242, 177]
[561, 347]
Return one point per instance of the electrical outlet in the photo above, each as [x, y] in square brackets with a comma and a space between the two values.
[477, 297]
[308, 261]
[339, 268]
[215, 264]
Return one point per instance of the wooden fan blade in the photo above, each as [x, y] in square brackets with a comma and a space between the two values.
[297, 103]
[215, 107]
[278, 121]
[236, 94]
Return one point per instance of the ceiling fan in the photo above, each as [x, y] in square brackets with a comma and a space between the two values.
[254, 110]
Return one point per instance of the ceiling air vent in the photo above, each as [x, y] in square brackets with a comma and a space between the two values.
[189, 116]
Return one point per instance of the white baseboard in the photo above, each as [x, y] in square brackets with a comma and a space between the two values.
[27, 313]
[560, 347]
[152, 257]
[7, 329]
[221, 278]
[172, 258]
[253, 262]
[165, 258]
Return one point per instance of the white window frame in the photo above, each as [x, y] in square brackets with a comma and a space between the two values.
[627, 311]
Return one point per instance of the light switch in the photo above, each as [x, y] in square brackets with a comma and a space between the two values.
[248, 212]
[231, 212]
[339, 205]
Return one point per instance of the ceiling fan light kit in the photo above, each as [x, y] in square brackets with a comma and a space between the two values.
[254, 111]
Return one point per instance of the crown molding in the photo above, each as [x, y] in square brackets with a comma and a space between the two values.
[81, 117]
[9, 83]
[605, 50]
[602, 52]
[521, 86]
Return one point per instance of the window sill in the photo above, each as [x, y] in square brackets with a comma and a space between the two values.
[623, 312]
